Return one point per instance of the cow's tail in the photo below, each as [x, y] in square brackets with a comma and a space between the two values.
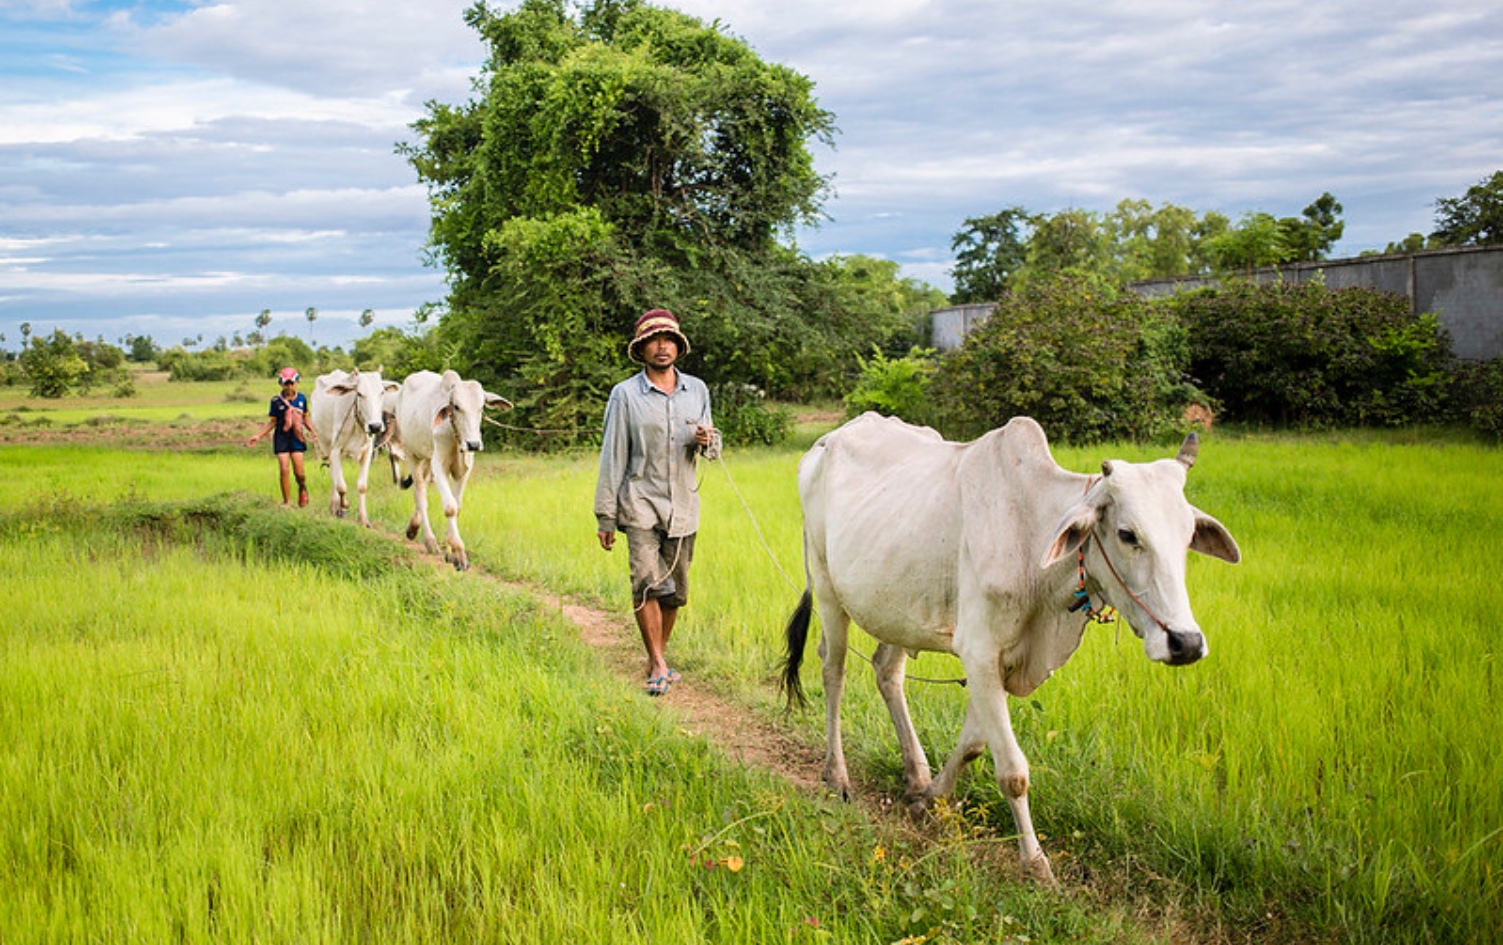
[796, 636]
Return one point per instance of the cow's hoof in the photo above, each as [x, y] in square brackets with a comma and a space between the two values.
[412, 531]
[339, 513]
[1039, 870]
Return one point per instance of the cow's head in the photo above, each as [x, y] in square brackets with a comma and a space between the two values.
[369, 390]
[1135, 527]
[462, 405]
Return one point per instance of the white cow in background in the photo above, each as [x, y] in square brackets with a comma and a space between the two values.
[992, 552]
[436, 437]
[347, 418]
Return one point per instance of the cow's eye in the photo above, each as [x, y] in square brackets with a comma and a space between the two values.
[1127, 536]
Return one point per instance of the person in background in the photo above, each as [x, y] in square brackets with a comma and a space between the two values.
[656, 423]
[287, 420]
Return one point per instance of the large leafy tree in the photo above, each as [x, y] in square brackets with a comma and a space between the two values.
[989, 251]
[1473, 219]
[621, 156]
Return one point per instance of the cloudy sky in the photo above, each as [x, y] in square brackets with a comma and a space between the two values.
[173, 167]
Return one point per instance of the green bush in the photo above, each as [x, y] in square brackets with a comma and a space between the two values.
[1477, 392]
[893, 387]
[745, 418]
[52, 365]
[211, 365]
[1086, 361]
[1308, 356]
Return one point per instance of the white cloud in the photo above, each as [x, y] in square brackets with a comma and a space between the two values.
[238, 155]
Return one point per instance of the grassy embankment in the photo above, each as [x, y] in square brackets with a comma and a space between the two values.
[1328, 770]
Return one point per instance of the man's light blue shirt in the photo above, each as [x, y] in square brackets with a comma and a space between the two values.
[647, 456]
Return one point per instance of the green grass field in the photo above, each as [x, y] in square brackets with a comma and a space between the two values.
[231, 722]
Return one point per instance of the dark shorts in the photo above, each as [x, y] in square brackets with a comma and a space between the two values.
[659, 566]
[282, 441]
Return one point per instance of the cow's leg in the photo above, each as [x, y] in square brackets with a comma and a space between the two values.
[890, 662]
[337, 502]
[363, 482]
[835, 629]
[989, 724]
[454, 552]
[419, 522]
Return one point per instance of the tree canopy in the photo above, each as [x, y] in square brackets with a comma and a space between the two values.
[1473, 219]
[1133, 242]
[623, 157]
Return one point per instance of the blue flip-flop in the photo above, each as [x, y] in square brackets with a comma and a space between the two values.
[673, 676]
[657, 686]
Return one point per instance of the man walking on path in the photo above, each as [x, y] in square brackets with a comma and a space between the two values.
[656, 423]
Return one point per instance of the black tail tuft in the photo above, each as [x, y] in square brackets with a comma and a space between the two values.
[796, 636]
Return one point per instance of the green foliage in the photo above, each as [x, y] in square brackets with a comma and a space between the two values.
[282, 351]
[1257, 241]
[210, 365]
[745, 418]
[1304, 355]
[1477, 396]
[894, 387]
[1473, 219]
[142, 349]
[52, 365]
[399, 353]
[988, 251]
[1133, 242]
[1086, 361]
[629, 158]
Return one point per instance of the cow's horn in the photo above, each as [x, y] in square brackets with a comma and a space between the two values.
[1188, 450]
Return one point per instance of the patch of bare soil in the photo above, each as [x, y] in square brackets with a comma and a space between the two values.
[196, 436]
[725, 724]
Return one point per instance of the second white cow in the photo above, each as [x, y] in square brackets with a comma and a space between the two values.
[437, 436]
[347, 418]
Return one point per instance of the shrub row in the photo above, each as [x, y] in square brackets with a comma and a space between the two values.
[1091, 363]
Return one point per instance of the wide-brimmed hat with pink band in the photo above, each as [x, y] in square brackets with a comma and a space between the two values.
[659, 321]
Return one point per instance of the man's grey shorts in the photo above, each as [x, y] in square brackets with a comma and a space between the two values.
[659, 566]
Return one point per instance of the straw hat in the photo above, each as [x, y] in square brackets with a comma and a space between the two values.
[659, 321]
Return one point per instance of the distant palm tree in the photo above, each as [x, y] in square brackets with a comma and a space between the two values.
[312, 315]
[366, 317]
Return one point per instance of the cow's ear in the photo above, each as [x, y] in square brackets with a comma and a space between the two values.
[496, 400]
[391, 385]
[1212, 538]
[442, 417]
[1072, 532]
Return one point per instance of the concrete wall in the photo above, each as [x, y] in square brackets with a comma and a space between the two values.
[1464, 287]
[949, 326]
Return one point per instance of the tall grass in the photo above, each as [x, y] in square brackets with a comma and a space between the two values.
[1331, 762]
[1329, 767]
[226, 722]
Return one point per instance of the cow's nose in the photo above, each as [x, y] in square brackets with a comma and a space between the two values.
[1185, 646]
[375, 427]
[473, 446]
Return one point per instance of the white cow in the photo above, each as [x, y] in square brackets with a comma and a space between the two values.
[986, 550]
[347, 418]
[437, 436]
